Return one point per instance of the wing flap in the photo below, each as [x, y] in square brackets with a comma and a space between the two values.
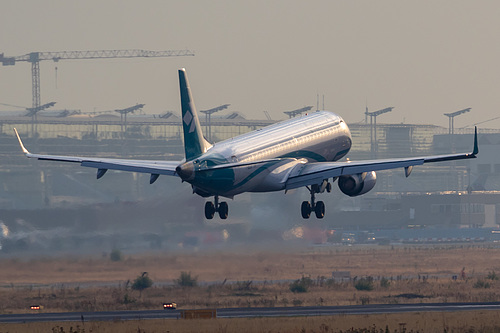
[153, 167]
[143, 166]
[315, 173]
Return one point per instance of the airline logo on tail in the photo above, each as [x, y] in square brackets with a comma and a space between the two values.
[273, 159]
[194, 142]
[188, 121]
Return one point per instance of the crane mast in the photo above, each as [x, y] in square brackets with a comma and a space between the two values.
[35, 57]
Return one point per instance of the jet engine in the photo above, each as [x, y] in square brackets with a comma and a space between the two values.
[357, 184]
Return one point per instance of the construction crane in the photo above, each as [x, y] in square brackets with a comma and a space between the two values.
[35, 57]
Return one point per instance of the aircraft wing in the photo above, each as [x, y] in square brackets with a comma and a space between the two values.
[314, 173]
[155, 168]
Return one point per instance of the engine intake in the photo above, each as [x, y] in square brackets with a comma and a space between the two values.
[357, 184]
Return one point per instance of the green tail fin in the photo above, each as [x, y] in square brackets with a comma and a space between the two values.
[194, 142]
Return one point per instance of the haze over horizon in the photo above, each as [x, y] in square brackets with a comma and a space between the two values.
[424, 58]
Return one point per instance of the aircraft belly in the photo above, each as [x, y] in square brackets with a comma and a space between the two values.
[251, 178]
[275, 179]
[258, 178]
[248, 179]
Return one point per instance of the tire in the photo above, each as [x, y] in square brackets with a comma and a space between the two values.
[328, 187]
[320, 209]
[305, 209]
[223, 210]
[209, 210]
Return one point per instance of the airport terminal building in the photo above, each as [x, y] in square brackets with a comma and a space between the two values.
[459, 193]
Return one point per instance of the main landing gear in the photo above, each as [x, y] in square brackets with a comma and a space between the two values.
[317, 207]
[212, 207]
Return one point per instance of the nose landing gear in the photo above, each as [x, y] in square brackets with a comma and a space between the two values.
[211, 207]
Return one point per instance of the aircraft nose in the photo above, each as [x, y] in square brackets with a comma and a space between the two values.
[185, 171]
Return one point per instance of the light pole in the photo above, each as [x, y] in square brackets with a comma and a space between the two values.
[208, 119]
[451, 126]
[373, 128]
[294, 113]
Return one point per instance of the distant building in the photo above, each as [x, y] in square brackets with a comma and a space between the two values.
[31, 184]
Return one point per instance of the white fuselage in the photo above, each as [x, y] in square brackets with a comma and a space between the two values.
[316, 137]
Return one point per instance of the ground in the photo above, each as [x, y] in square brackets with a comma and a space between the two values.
[242, 277]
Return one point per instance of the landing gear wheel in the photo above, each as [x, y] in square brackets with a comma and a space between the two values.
[209, 210]
[223, 210]
[305, 209]
[320, 209]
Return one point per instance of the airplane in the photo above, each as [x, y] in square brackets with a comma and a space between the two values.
[299, 152]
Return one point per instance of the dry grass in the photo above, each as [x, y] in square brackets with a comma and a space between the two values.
[323, 292]
[99, 284]
[21, 279]
[242, 265]
[473, 321]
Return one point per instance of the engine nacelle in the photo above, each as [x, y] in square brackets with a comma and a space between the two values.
[360, 183]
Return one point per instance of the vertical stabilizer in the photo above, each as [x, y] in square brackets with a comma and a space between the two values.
[194, 142]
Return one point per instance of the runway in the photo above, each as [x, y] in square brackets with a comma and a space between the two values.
[250, 312]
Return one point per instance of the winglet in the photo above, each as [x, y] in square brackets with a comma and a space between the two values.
[21, 143]
[476, 147]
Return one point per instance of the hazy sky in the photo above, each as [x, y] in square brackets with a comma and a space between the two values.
[424, 58]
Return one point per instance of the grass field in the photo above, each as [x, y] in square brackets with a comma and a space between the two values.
[411, 273]
[241, 264]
